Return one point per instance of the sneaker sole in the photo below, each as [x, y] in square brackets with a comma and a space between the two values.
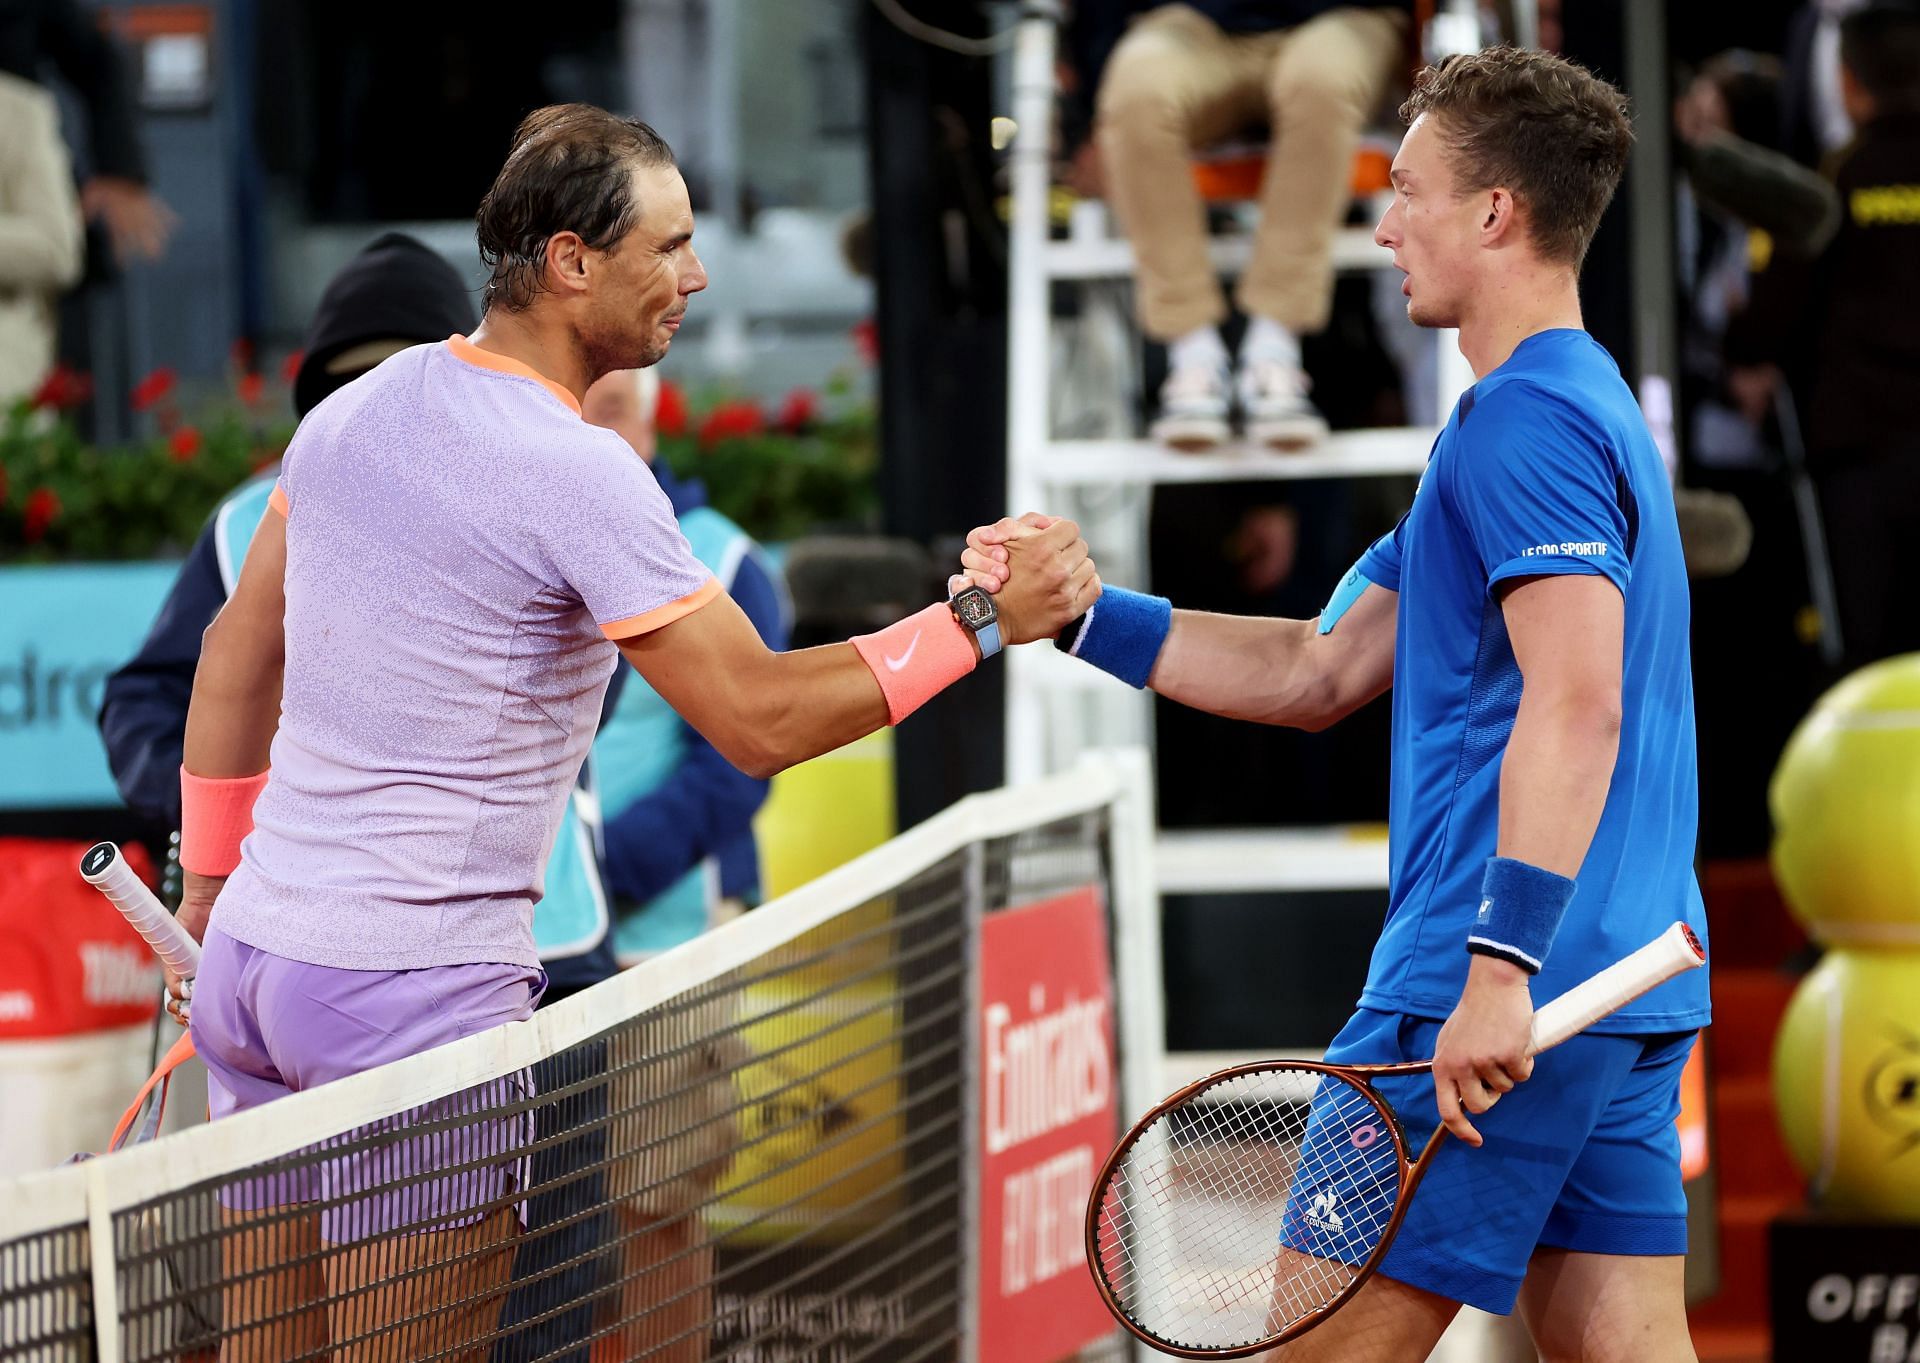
[1190, 435]
[1288, 434]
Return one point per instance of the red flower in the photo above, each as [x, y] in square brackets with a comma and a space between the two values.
[3, 485]
[185, 443]
[799, 411]
[252, 388]
[670, 412]
[63, 387]
[866, 340]
[240, 354]
[290, 369]
[42, 509]
[731, 421]
[152, 388]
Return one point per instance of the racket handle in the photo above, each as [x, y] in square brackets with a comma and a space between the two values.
[1671, 953]
[107, 871]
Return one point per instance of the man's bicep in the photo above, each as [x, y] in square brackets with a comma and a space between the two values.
[701, 662]
[1359, 648]
[1567, 631]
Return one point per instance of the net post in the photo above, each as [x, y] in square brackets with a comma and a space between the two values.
[1136, 916]
[104, 1263]
[1134, 886]
[974, 909]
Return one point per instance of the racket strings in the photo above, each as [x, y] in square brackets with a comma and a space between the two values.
[1247, 1207]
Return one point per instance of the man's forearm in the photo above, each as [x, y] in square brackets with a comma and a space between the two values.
[235, 708]
[1554, 779]
[1244, 667]
[1289, 672]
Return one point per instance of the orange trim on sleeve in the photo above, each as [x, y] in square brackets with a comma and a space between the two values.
[467, 352]
[649, 621]
[278, 500]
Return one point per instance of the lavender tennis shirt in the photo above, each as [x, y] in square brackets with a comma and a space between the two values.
[461, 549]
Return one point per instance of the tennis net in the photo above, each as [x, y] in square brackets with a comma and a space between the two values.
[781, 1142]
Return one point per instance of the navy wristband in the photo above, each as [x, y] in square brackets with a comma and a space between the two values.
[1520, 911]
[1122, 635]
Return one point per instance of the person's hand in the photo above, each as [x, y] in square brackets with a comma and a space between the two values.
[1701, 112]
[985, 561]
[1752, 386]
[137, 219]
[1265, 546]
[1086, 174]
[196, 905]
[1049, 582]
[1486, 1046]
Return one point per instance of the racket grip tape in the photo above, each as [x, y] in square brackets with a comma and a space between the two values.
[1672, 953]
[107, 871]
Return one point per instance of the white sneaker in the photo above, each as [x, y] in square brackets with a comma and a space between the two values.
[1278, 411]
[1193, 408]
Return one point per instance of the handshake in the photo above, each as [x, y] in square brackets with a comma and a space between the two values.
[1037, 570]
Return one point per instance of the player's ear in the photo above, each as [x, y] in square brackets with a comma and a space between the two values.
[566, 262]
[1500, 222]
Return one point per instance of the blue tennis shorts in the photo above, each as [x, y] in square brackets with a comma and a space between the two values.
[1583, 1156]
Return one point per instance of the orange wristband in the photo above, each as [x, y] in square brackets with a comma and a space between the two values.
[216, 814]
[917, 658]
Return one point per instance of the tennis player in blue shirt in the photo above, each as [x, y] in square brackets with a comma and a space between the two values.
[1530, 614]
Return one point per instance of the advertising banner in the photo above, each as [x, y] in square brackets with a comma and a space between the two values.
[63, 631]
[1048, 1119]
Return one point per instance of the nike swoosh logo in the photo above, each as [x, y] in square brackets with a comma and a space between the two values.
[895, 664]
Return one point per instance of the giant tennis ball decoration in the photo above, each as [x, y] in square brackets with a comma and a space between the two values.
[1846, 810]
[1846, 1082]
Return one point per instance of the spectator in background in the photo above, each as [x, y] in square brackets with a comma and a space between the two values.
[1840, 329]
[40, 235]
[679, 816]
[1738, 200]
[1183, 76]
[1814, 119]
[38, 37]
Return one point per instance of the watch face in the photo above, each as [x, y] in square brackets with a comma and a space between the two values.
[975, 608]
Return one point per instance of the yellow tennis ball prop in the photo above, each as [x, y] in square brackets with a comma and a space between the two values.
[1845, 800]
[1846, 1082]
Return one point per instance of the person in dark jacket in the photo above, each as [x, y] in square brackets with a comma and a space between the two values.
[1839, 329]
[1184, 76]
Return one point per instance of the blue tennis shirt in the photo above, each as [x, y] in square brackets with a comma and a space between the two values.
[1545, 466]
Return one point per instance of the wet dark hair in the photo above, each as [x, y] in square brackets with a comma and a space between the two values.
[1549, 130]
[570, 169]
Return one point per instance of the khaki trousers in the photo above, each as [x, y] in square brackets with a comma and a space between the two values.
[1177, 82]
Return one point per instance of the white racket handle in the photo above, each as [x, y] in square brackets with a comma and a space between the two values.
[107, 871]
[1673, 952]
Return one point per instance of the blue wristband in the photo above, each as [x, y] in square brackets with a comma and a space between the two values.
[1520, 910]
[1123, 634]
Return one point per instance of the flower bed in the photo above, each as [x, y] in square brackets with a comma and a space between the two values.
[781, 471]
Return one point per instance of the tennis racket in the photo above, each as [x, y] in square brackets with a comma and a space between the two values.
[1252, 1204]
[107, 871]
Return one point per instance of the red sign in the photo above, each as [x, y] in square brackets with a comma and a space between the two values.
[1048, 1119]
[69, 963]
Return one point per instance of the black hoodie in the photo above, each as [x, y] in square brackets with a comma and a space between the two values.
[395, 289]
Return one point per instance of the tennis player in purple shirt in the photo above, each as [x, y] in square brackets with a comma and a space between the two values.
[390, 712]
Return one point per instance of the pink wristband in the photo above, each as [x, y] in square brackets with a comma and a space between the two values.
[216, 812]
[917, 658]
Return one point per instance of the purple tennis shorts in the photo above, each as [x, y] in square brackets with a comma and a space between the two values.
[267, 1026]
